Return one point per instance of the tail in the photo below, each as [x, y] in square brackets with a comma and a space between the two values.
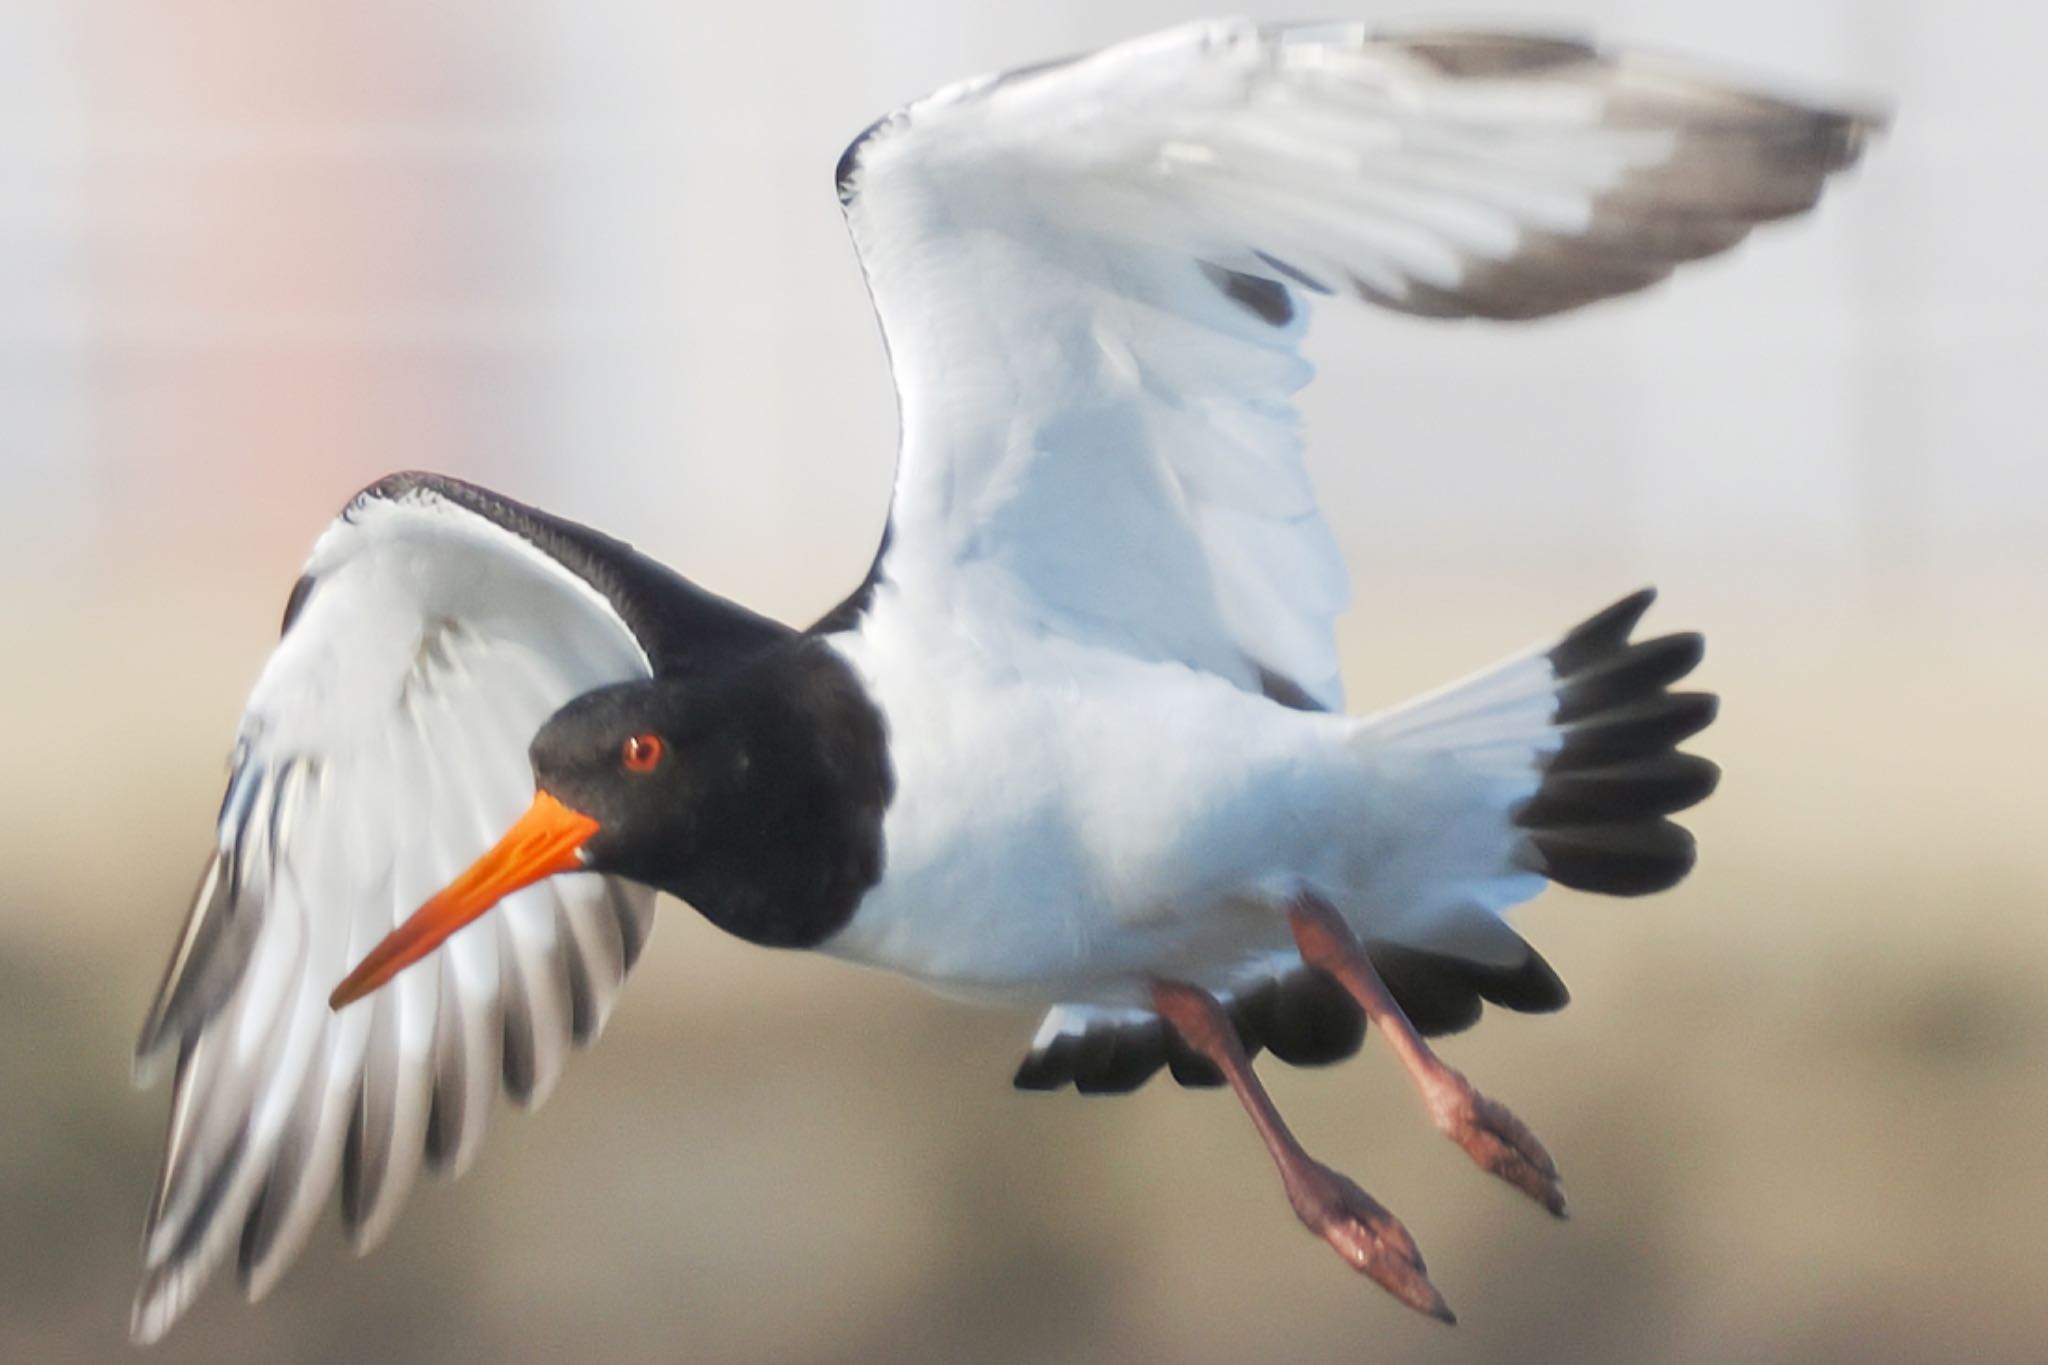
[1561, 764]
[1595, 720]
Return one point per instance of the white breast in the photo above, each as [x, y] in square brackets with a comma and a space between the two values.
[1069, 821]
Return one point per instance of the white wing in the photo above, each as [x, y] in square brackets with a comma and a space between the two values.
[384, 747]
[1092, 277]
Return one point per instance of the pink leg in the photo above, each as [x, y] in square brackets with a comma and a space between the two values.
[1493, 1137]
[1349, 1219]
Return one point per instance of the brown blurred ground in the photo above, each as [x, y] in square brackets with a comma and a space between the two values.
[252, 257]
[1798, 1101]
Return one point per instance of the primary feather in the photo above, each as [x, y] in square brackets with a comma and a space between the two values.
[385, 742]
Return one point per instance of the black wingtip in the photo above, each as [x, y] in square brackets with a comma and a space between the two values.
[846, 174]
[1033, 1073]
[1444, 993]
[1304, 1018]
[1111, 1058]
[1190, 1068]
[1267, 300]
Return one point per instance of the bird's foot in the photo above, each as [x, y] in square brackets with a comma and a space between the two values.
[1495, 1139]
[1365, 1234]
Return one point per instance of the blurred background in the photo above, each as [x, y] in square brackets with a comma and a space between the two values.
[252, 257]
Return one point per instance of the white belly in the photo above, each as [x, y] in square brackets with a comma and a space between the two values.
[1083, 821]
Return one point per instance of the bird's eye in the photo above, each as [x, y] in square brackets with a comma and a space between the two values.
[641, 753]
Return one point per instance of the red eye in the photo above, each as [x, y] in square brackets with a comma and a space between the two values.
[641, 753]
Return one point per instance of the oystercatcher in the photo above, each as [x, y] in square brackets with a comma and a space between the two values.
[1077, 741]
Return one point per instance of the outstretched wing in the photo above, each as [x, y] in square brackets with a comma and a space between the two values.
[436, 628]
[1093, 278]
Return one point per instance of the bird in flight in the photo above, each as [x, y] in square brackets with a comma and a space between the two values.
[1077, 742]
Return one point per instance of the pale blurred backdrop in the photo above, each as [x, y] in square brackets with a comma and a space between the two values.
[253, 256]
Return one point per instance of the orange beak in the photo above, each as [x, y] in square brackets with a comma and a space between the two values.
[546, 840]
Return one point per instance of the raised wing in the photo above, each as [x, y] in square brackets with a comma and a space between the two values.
[1092, 277]
[436, 628]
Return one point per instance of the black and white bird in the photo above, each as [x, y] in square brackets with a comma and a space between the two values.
[1077, 743]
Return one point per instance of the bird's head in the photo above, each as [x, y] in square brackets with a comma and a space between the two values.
[619, 776]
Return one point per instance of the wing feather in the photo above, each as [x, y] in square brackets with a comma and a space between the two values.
[1107, 262]
[383, 748]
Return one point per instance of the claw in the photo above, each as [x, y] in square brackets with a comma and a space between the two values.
[1361, 1230]
[1355, 1224]
[1502, 1144]
[1489, 1133]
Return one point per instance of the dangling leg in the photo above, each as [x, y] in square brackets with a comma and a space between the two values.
[1489, 1133]
[1349, 1219]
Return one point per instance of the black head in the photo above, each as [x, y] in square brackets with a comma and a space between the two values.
[643, 763]
[757, 795]
[615, 793]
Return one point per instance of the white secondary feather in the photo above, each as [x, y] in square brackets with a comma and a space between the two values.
[383, 749]
[1092, 276]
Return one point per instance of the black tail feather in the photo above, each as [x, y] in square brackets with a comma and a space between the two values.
[1648, 726]
[1597, 821]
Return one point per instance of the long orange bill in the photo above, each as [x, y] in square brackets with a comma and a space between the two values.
[545, 841]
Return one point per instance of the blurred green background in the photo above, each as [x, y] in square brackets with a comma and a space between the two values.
[253, 257]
